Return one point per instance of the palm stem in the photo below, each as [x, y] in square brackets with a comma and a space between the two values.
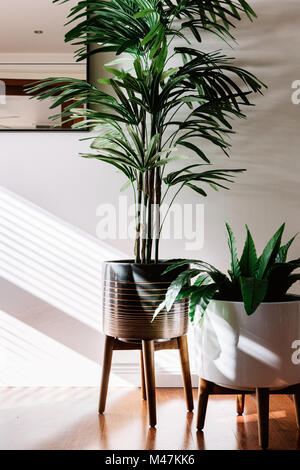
[150, 216]
[138, 219]
[157, 212]
[144, 224]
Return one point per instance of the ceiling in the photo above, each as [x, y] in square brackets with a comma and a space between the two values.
[20, 18]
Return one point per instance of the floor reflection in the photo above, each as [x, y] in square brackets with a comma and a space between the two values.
[67, 418]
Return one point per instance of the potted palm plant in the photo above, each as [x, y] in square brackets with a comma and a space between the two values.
[246, 323]
[139, 131]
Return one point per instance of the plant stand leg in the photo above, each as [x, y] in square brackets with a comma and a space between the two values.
[240, 404]
[186, 373]
[148, 353]
[143, 385]
[108, 351]
[205, 387]
[262, 396]
[297, 405]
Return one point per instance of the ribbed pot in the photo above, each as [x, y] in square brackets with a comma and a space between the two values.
[131, 293]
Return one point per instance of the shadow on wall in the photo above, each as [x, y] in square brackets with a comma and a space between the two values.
[51, 259]
[50, 307]
[50, 298]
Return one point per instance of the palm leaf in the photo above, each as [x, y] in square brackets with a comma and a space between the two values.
[177, 285]
[131, 122]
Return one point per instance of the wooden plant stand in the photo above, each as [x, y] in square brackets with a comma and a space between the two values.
[207, 388]
[147, 349]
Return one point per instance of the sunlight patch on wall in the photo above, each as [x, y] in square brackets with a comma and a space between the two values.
[29, 357]
[51, 259]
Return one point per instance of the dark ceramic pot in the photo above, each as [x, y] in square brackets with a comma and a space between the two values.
[131, 293]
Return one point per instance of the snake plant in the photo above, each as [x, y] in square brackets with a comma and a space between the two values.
[251, 279]
[154, 112]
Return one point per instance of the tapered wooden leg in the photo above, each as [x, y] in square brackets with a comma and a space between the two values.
[148, 353]
[240, 404]
[205, 387]
[297, 405]
[186, 373]
[262, 396]
[143, 385]
[108, 351]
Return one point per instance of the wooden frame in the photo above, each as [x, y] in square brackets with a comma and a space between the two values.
[147, 349]
[261, 395]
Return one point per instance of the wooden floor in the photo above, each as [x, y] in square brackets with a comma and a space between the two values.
[56, 418]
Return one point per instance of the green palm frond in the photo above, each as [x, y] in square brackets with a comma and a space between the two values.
[142, 25]
[138, 126]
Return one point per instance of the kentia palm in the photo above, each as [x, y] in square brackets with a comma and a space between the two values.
[140, 132]
[138, 127]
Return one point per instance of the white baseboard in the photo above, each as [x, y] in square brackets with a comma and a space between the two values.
[129, 374]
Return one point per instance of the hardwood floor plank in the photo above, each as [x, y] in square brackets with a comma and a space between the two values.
[67, 418]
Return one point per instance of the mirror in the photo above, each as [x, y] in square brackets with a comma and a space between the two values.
[32, 47]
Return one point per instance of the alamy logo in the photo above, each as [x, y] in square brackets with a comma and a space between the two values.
[178, 222]
[296, 94]
[2, 92]
[296, 353]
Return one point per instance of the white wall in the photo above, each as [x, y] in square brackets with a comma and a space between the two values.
[267, 143]
[43, 168]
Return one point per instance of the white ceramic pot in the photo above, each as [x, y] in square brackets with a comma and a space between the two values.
[240, 351]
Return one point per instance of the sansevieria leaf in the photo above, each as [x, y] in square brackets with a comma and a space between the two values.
[248, 261]
[213, 284]
[235, 265]
[253, 292]
[201, 298]
[282, 253]
[270, 252]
